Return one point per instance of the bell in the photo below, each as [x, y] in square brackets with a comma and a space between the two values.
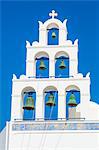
[62, 65]
[51, 101]
[42, 65]
[53, 35]
[72, 101]
[29, 104]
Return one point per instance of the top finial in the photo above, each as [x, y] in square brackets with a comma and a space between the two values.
[53, 14]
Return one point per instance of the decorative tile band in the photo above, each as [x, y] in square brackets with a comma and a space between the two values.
[55, 126]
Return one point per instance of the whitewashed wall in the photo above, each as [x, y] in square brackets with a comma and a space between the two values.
[3, 139]
[39, 85]
[52, 51]
[52, 140]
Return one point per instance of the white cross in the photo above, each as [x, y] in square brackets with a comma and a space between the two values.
[53, 14]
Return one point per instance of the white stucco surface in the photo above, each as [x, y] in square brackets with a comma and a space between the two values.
[3, 139]
[89, 108]
[52, 140]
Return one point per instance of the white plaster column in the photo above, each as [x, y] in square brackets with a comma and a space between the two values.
[39, 106]
[61, 105]
[51, 66]
[85, 91]
[85, 112]
[6, 143]
[43, 36]
[73, 67]
[30, 68]
[16, 108]
[85, 98]
[62, 36]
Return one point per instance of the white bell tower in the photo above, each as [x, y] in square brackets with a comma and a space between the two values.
[51, 79]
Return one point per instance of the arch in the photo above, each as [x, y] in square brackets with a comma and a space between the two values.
[61, 59]
[50, 109]
[53, 21]
[28, 113]
[41, 54]
[42, 73]
[72, 90]
[61, 53]
[27, 89]
[53, 25]
[71, 87]
[48, 88]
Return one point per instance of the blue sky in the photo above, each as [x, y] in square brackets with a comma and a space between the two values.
[19, 22]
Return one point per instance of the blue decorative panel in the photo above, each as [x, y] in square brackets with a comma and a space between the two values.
[51, 40]
[51, 113]
[55, 126]
[29, 114]
[62, 73]
[77, 97]
[42, 73]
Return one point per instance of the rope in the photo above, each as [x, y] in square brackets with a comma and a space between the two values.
[29, 138]
[22, 142]
[60, 136]
[44, 137]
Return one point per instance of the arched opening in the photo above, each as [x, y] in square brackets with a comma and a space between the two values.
[42, 65]
[62, 65]
[53, 34]
[72, 100]
[50, 103]
[29, 100]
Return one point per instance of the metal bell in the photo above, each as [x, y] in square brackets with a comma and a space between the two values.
[62, 65]
[72, 101]
[29, 105]
[53, 35]
[51, 101]
[42, 65]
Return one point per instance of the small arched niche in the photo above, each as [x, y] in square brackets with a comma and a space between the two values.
[53, 34]
[61, 65]
[42, 65]
[72, 100]
[28, 95]
[50, 95]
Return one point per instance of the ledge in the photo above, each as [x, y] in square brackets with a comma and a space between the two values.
[50, 46]
[54, 126]
[49, 79]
